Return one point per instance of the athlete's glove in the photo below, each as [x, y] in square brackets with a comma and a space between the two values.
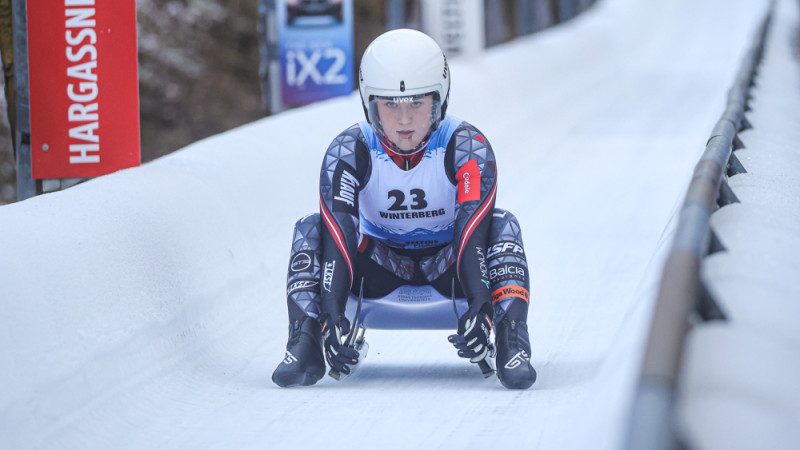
[472, 338]
[340, 357]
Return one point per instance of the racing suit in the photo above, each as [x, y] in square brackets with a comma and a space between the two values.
[395, 220]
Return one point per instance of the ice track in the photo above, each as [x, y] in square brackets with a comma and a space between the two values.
[146, 309]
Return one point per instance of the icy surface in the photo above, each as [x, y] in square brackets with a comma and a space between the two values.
[146, 309]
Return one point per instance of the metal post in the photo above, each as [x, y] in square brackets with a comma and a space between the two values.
[457, 25]
[26, 185]
[395, 14]
[585, 4]
[524, 17]
[566, 10]
[269, 68]
[498, 30]
[274, 59]
[263, 65]
[542, 14]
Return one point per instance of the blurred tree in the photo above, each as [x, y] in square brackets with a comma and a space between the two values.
[198, 69]
[8, 192]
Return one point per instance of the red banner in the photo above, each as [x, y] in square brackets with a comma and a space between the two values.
[84, 88]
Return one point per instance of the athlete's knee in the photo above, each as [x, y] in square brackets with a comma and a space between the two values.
[504, 223]
[303, 275]
[505, 235]
[308, 221]
[307, 233]
[505, 256]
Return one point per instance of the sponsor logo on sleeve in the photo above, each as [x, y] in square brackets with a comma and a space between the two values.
[469, 182]
[345, 188]
[508, 271]
[303, 286]
[327, 275]
[510, 291]
[505, 248]
[302, 261]
[482, 266]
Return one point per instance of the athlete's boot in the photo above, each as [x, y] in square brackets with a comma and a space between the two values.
[303, 364]
[514, 354]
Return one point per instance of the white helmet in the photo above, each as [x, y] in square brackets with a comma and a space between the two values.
[403, 63]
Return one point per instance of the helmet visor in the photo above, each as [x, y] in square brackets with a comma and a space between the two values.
[404, 122]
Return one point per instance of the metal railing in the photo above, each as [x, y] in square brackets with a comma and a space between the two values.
[681, 292]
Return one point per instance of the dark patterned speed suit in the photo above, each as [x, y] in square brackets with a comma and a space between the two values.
[479, 246]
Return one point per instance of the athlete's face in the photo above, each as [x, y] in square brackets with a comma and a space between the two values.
[406, 120]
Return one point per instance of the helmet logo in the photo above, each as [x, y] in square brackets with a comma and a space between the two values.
[402, 86]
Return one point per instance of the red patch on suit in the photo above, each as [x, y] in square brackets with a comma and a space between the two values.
[469, 182]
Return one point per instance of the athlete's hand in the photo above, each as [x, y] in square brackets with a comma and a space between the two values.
[340, 357]
[472, 336]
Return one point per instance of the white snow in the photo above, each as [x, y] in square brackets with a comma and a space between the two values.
[146, 309]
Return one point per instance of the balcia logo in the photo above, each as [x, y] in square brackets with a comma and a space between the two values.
[507, 271]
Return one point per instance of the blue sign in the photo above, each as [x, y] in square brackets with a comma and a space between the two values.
[315, 44]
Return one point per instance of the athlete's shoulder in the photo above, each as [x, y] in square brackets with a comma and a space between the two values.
[345, 144]
[347, 153]
[466, 130]
[468, 142]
